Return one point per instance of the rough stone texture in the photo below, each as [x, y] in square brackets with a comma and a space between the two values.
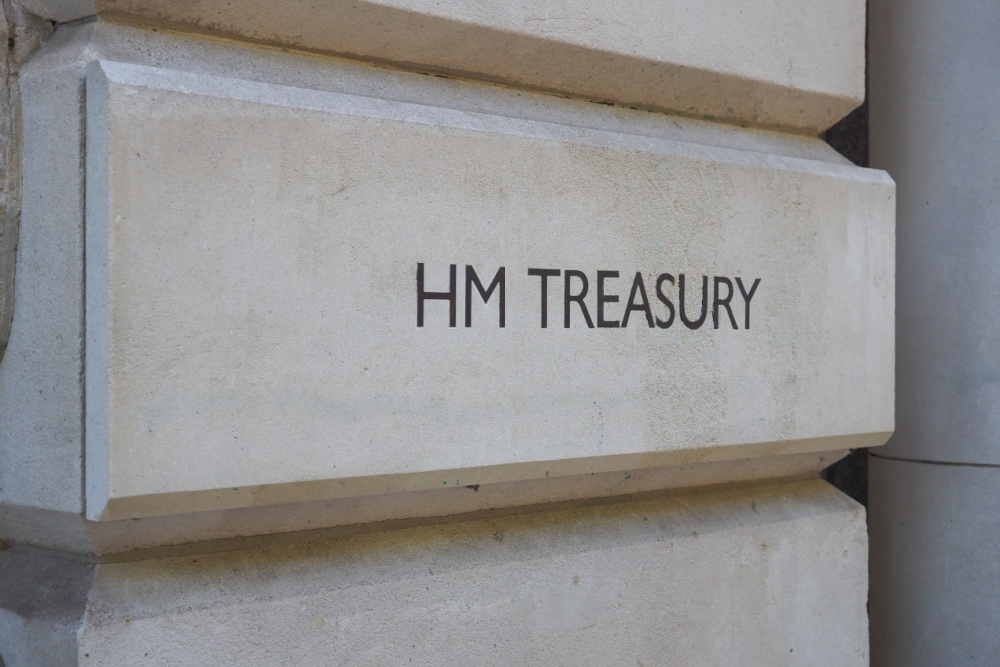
[21, 34]
[755, 575]
[42, 602]
[285, 353]
[42, 437]
[762, 576]
[10, 209]
[778, 63]
[41, 398]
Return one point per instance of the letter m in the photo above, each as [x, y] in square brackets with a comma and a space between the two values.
[484, 293]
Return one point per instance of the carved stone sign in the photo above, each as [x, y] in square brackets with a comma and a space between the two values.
[295, 294]
[638, 299]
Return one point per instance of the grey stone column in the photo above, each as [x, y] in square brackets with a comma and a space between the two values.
[935, 488]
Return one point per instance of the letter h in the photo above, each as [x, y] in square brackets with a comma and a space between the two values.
[423, 295]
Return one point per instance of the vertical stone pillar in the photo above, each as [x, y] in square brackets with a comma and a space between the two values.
[935, 488]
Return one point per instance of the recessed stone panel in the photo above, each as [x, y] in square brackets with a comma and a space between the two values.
[256, 257]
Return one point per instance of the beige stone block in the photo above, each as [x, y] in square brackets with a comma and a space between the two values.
[252, 312]
[777, 63]
[23, 34]
[41, 396]
[765, 576]
[41, 393]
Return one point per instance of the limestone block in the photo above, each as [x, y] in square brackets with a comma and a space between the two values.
[256, 255]
[778, 63]
[41, 392]
[766, 576]
[22, 33]
[42, 397]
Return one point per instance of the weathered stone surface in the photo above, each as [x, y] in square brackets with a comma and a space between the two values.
[43, 598]
[41, 397]
[765, 576]
[21, 34]
[9, 192]
[775, 63]
[41, 390]
[252, 302]
[221, 339]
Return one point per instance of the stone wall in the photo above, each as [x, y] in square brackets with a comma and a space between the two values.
[370, 333]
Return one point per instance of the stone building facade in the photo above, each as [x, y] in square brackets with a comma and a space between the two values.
[399, 331]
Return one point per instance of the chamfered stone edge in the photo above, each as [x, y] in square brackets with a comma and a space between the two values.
[604, 51]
